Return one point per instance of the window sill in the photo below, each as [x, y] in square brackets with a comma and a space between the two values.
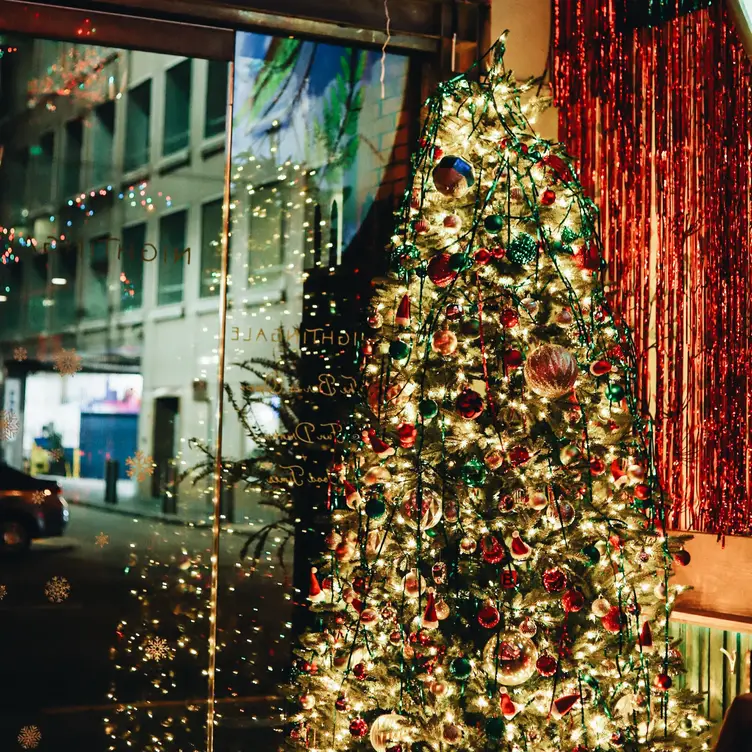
[167, 312]
[92, 325]
[173, 161]
[136, 175]
[207, 305]
[130, 317]
[264, 295]
[212, 145]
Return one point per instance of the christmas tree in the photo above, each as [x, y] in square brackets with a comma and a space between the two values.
[497, 575]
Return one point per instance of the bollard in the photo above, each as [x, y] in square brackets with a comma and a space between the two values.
[169, 490]
[111, 471]
[227, 503]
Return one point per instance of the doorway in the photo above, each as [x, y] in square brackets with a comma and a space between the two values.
[166, 412]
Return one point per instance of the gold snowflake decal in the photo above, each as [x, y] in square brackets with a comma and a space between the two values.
[20, 354]
[102, 540]
[157, 649]
[3, 591]
[140, 465]
[56, 454]
[38, 496]
[9, 425]
[67, 362]
[29, 737]
[57, 589]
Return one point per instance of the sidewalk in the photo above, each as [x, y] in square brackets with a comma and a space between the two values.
[89, 492]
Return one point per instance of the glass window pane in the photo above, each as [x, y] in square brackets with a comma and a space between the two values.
[170, 259]
[177, 108]
[102, 143]
[97, 267]
[266, 234]
[132, 266]
[216, 98]
[138, 120]
[71, 167]
[211, 247]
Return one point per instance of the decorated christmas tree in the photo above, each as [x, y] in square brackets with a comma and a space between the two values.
[497, 574]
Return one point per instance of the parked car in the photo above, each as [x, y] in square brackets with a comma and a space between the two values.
[29, 508]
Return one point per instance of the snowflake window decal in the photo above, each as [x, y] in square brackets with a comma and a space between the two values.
[140, 466]
[29, 737]
[157, 649]
[67, 362]
[57, 589]
[102, 540]
[9, 425]
[3, 591]
[20, 354]
[38, 497]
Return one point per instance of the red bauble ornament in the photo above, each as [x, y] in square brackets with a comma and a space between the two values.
[469, 404]
[453, 311]
[498, 252]
[509, 579]
[613, 620]
[358, 727]
[513, 358]
[492, 550]
[554, 580]
[597, 466]
[444, 342]
[558, 167]
[573, 600]
[588, 258]
[518, 455]
[509, 318]
[439, 271]
[359, 671]
[682, 558]
[482, 256]
[407, 433]
[421, 226]
[548, 197]
[341, 704]
[488, 616]
[551, 371]
[493, 459]
[452, 221]
[663, 682]
[642, 492]
[546, 665]
[600, 368]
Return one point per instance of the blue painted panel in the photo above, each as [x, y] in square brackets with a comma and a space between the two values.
[106, 437]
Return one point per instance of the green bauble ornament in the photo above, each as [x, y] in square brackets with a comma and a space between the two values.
[614, 392]
[470, 327]
[568, 235]
[399, 350]
[593, 554]
[375, 508]
[494, 728]
[458, 262]
[522, 249]
[493, 223]
[460, 668]
[428, 408]
[473, 473]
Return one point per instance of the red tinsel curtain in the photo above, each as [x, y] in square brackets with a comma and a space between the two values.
[660, 120]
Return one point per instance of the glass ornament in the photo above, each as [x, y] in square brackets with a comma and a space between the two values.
[453, 176]
[510, 658]
[460, 668]
[560, 514]
[551, 371]
[473, 473]
[429, 513]
[389, 730]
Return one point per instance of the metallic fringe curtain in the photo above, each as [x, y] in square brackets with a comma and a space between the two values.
[660, 121]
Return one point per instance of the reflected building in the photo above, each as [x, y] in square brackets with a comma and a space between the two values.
[111, 216]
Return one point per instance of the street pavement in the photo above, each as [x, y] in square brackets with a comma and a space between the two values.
[57, 663]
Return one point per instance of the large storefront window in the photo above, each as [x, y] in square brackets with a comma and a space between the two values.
[113, 178]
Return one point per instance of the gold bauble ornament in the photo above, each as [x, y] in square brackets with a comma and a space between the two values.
[388, 730]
